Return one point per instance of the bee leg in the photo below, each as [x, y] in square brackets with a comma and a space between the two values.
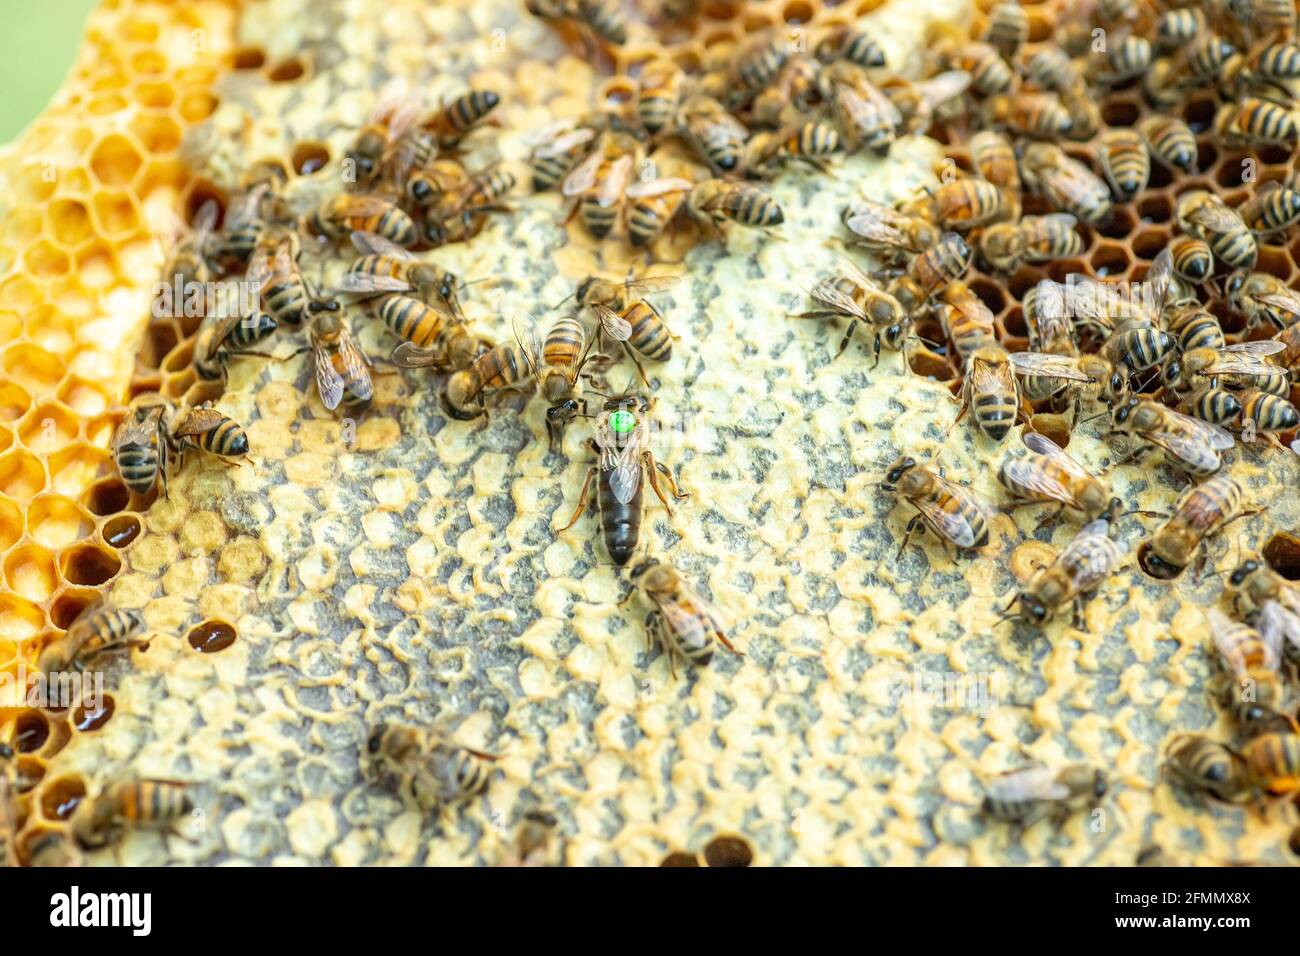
[848, 337]
[652, 468]
[1077, 617]
[677, 492]
[907, 535]
[582, 501]
[640, 369]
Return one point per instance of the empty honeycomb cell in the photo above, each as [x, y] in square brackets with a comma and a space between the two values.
[1040, 26]
[728, 851]
[69, 221]
[90, 565]
[1061, 268]
[200, 192]
[290, 71]
[75, 467]
[83, 397]
[1055, 427]
[157, 134]
[88, 718]
[14, 401]
[310, 157]
[136, 30]
[617, 90]
[97, 265]
[56, 521]
[928, 365]
[1234, 170]
[120, 531]
[1119, 113]
[45, 260]
[60, 797]
[106, 104]
[35, 182]
[154, 95]
[867, 6]
[1206, 155]
[798, 12]
[211, 637]
[1282, 552]
[31, 732]
[248, 58]
[1274, 261]
[31, 770]
[1109, 259]
[1155, 209]
[159, 340]
[30, 572]
[115, 160]
[990, 293]
[149, 61]
[1014, 323]
[11, 522]
[680, 859]
[70, 605]
[50, 426]
[22, 475]
[1148, 243]
[177, 359]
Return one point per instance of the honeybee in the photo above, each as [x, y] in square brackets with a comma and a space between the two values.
[654, 204]
[1125, 161]
[340, 216]
[220, 337]
[954, 513]
[452, 218]
[966, 320]
[754, 68]
[556, 149]
[1195, 445]
[1241, 366]
[682, 622]
[95, 634]
[1176, 28]
[715, 201]
[1266, 70]
[1266, 414]
[1193, 258]
[659, 94]
[1206, 216]
[1218, 406]
[600, 180]
[1066, 182]
[534, 840]
[852, 294]
[994, 158]
[1253, 658]
[1272, 208]
[888, 233]
[810, 143]
[604, 18]
[1270, 600]
[1200, 511]
[1045, 374]
[990, 73]
[1082, 566]
[249, 212]
[1005, 245]
[1023, 797]
[1256, 122]
[1273, 762]
[960, 204]
[501, 368]
[1007, 30]
[206, 429]
[621, 446]
[1048, 474]
[393, 114]
[918, 101]
[1203, 59]
[1263, 298]
[1128, 57]
[866, 117]
[556, 364]
[789, 97]
[421, 765]
[191, 251]
[1037, 115]
[940, 264]
[844, 42]
[155, 804]
[458, 117]
[342, 372]
[714, 133]
[627, 318]
[990, 392]
[141, 446]
[1048, 320]
[1204, 766]
[273, 270]
[1171, 141]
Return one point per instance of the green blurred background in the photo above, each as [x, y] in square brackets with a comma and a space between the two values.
[38, 42]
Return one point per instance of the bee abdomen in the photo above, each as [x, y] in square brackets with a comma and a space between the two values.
[138, 465]
[229, 440]
[649, 336]
[411, 319]
[598, 219]
[1270, 413]
[468, 109]
[564, 342]
[620, 522]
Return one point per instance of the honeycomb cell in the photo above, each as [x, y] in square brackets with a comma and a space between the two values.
[211, 637]
[1120, 225]
[20, 620]
[990, 293]
[14, 401]
[22, 475]
[249, 58]
[74, 468]
[120, 531]
[106, 104]
[728, 851]
[70, 605]
[45, 260]
[1282, 552]
[115, 161]
[59, 798]
[149, 61]
[31, 732]
[69, 221]
[90, 565]
[30, 573]
[798, 12]
[310, 157]
[83, 397]
[154, 95]
[1154, 209]
[1110, 259]
[88, 718]
[139, 31]
[1274, 261]
[11, 522]
[157, 134]
[56, 522]
[290, 71]
[31, 770]
[1148, 243]
[680, 859]
[50, 426]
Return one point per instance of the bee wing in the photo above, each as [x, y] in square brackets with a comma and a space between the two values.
[410, 355]
[1091, 556]
[611, 187]
[878, 224]
[942, 87]
[545, 135]
[952, 526]
[361, 206]
[369, 282]
[1031, 783]
[864, 111]
[583, 176]
[1288, 300]
[828, 294]
[855, 272]
[530, 342]
[626, 477]
[1074, 183]
[1216, 218]
[1051, 316]
[989, 379]
[1221, 626]
[1258, 348]
[1040, 444]
[205, 218]
[649, 285]
[1243, 367]
[139, 428]
[197, 421]
[563, 144]
[1045, 365]
[717, 128]
[1188, 442]
[369, 243]
[1276, 621]
[1029, 476]
[1086, 300]
[657, 187]
[243, 208]
[221, 329]
[613, 324]
[259, 269]
[328, 380]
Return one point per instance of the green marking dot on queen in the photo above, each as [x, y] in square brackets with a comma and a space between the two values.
[621, 422]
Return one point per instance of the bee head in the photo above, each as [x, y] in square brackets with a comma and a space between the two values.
[1232, 285]
[1032, 609]
[1242, 572]
[376, 739]
[6, 752]
[1157, 566]
[1123, 412]
[897, 470]
[585, 288]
